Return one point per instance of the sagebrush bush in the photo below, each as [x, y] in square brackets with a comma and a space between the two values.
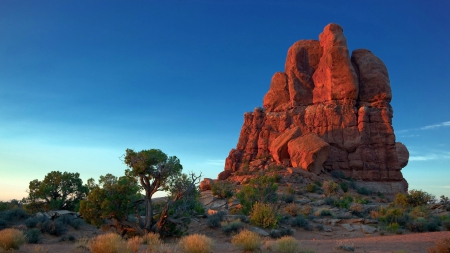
[264, 215]
[108, 243]
[288, 198]
[344, 201]
[14, 214]
[11, 238]
[214, 220]
[287, 244]
[300, 221]
[311, 187]
[441, 246]
[196, 243]
[34, 235]
[330, 187]
[223, 189]
[247, 240]
[260, 189]
[55, 227]
[280, 233]
[292, 209]
[344, 186]
[232, 227]
[2, 223]
[364, 191]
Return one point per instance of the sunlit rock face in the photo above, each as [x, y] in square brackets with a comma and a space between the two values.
[343, 99]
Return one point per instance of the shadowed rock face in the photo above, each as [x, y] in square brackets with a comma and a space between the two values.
[342, 99]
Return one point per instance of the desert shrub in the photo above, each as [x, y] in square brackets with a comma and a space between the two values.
[337, 174]
[69, 220]
[393, 227]
[232, 227]
[286, 244]
[330, 187]
[420, 211]
[312, 187]
[195, 244]
[34, 235]
[422, 225]
[441, 246]
[263, 215]
[40, 249]
[306, 210]
[344, 186]
[301, 221]
[14, 214]
[280, 233]
[446, 225]
[344, 201]
[323, 212]
[347, 247]
[153, 242]
[108, 243]
[11, 238]
[215, 219]
[401, 199]
[67, 238]
[420, 198]
[223, 189]
[356, 209]
[292, 209]
[247, 240]
[390, 214]
[134, 243]
[364, 191]
[329, 200]
[2, 224]
[55, 228]
[260, 189]
[33, 222]
[288, 198]
[275, 168]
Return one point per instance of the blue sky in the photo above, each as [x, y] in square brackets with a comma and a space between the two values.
[81, 81]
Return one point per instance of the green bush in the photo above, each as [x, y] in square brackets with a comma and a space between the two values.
[344, 201]
[280, 233]
[344, 186]
[288, 198]
[260, 189]
[196, 244]
[286, 244]
[301, 221]
[33, 222]
[223, 189]
[55, 228]
[264, 215]
[312, 187]
[420, 198]
[330, 187]
[247, 240]
[232, 227]
[215, 219]
[14, 214]
[364, 191]
[34, 235]
[11, 239]
[2, 224]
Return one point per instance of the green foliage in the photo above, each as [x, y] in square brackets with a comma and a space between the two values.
[344, 186]
[330, 187]
[56, 192]
[301, 221]
[364, 191]
[280, 233]
[419, 198]
[393, 227]
[156, 171]
[232, 227]
[338, 174]
[215, 219]
[286, 244]
[13, 204]
[264, 215]
[344, 201]
[34, 235]
[56, 228]
[13, 215]
[112, 198]
[260, 189]
[223, 189]
[2, 223]
[288, 198]
[312, 187]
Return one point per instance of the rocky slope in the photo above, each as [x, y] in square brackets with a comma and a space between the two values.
[328, 111]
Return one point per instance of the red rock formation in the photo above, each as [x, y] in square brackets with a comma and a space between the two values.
[343, 100]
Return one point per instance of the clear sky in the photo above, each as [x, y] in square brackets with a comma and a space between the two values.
[81, 81]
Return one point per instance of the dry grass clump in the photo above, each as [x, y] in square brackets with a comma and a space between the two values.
[441, 246]
[40, 249]
[11, 238]
[108, 243]
[292, 209]
[247, 240]
[134, 243]
[195, 244]
[286, 244]
[153, 242]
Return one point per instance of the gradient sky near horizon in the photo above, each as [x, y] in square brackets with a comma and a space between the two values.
[81, 81]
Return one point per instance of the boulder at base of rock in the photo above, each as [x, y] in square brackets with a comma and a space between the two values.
[224, 175]
[279, 149]
[308, 152]
[206, 184]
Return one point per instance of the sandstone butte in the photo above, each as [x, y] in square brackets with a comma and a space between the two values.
[328, 111]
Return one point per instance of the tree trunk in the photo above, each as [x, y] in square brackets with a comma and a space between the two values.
[149, 212]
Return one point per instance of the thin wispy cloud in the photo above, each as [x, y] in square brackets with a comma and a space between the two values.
[215, 162]
[429, 127]
[430, 156]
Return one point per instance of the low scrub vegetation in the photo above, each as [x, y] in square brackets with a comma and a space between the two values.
[223, 189]
[247, 240]
[108, 243]
[286, 244]
[196, 244]
[264, 215]
[11, 239]
[442, 246]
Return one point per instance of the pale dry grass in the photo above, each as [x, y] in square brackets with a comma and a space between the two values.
[134, 243]
[153, 242]
[196, 244]
[11, 238]
[247, 240]
[108, 243]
